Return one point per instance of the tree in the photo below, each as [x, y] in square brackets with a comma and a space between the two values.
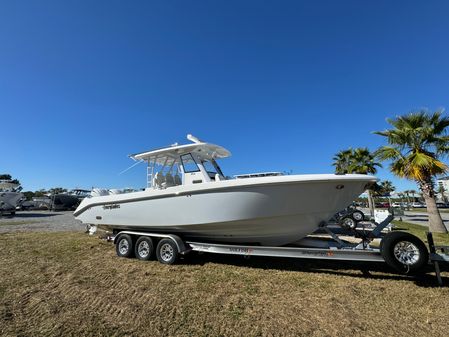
[40, 193]
[342, 161]
[407, 196]
[9, 178]
[413, 193]
[415, 145]
[28, 194]
[359, 160]
[385, 188]
[57, 190]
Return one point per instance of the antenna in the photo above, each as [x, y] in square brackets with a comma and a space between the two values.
[129, 168]
[193, 139]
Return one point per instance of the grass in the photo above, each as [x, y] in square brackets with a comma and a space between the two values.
[70, 284]
[420, 231]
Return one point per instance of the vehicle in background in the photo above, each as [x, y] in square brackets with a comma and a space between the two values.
[349, 217]
[418, 205]
[399, 205]
[41, 203]
[382, 204]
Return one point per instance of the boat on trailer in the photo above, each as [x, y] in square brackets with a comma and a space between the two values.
[10, 196]
[187, 194]
[189, 205]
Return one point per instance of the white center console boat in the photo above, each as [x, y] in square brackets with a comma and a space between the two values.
[187, 194]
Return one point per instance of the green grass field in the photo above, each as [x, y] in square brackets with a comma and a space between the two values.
[420, 231]
[70, 284]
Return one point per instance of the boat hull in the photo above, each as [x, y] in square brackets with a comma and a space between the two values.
[62, 202]
[278, 212]
[10, 200]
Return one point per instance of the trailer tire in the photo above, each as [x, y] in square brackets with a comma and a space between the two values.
[348, 222]
[124, 246]
[404, 252]
[167, 251]
[144, 248]
[358, 216]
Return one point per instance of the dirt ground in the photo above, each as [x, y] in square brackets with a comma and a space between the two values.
[70, 284]
[48, 221]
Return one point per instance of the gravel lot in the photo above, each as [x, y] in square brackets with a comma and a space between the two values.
[40, 221]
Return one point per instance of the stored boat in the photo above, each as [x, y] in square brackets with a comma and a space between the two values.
[10, 196]
[63, 202]
[68, 200]
[187, 194]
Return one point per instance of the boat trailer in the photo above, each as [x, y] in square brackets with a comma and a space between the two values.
[402, 251]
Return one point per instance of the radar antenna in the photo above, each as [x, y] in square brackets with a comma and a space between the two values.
[193, 139]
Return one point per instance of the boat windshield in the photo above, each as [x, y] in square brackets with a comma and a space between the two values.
[165, 173]
[211, 168]
[189, 163]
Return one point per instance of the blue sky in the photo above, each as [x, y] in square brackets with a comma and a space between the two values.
[284, 85]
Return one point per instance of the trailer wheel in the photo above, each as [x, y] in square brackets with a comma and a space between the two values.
[358, 216]
[404, 252]
[124, 245]
[167, 251]
[348, 222]
[144, 248]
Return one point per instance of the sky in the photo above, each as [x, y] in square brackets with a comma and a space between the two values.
[283, 85]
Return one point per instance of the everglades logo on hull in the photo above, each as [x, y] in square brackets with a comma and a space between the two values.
[111, 206]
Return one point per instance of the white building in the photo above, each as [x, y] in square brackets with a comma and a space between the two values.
[444, 181]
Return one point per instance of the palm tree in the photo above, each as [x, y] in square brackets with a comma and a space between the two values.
[413, 192]
[407, 195]
[359, 160]
[383, 190]
[386, 187]
[401, 195]
[342, 160]
[416, 142]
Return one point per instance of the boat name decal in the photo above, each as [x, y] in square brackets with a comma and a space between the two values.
[111, 206]
[241, 250]
[320, 254]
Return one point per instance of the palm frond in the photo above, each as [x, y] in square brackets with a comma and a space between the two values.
[421, 165]
[416, 142]
[385, 153]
